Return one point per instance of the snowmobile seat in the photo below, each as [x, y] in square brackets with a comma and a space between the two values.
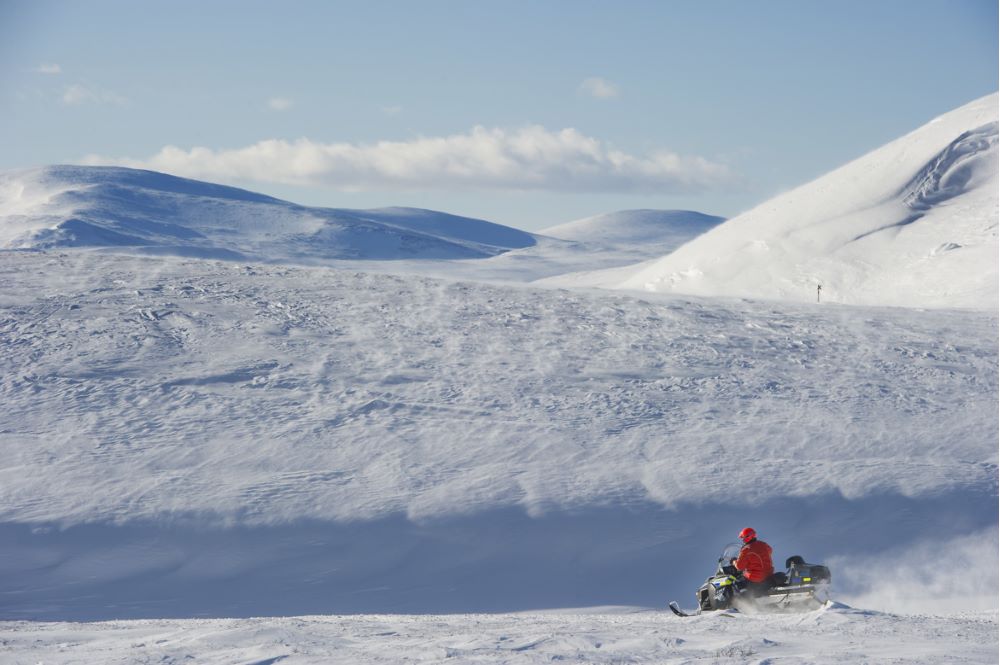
[807, 573]
[794, 560]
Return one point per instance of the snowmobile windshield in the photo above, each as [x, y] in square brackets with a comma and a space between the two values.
[731, 551]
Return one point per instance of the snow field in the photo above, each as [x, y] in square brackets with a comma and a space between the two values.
[190, 438]
[434, 398]
[834, 635]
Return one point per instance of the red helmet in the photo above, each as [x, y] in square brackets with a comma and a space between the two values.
[747, 534]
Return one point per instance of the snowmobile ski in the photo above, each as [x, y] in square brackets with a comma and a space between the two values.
[679, 612]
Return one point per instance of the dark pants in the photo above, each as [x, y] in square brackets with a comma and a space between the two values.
[756, 589]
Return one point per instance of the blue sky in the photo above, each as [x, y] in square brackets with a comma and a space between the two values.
[526, 113]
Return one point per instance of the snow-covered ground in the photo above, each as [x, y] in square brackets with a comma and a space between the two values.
[833, 635]
[190, 437]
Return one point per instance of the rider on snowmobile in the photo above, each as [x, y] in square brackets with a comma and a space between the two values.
[755, 562]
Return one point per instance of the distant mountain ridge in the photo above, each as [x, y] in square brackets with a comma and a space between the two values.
[637, 227]
[150, 212]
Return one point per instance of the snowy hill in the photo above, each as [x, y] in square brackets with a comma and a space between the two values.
[666, 229]
[144, 212]
[611, 240]
[913, 224]
[154, 213]
[200, 438]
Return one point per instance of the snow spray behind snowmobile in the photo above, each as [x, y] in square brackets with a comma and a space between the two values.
[802, 587]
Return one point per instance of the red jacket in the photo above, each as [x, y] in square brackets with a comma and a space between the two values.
[755, 561]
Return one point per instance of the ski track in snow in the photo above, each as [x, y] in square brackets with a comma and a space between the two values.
[834, 635]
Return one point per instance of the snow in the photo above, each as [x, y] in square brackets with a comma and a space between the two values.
[153, 213]
[370, 429]
[378, 443]
[833, 635]
[912, 224]
[612, 240]
[122, 210]
[637, 228]
[605, 242]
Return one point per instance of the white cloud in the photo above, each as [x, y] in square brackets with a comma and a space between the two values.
[599, 88]
[48, 68]
[279, 104]
[392, 110]
[77, 94]
[531, 158]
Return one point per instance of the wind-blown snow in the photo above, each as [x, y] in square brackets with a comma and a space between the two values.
[912, 224]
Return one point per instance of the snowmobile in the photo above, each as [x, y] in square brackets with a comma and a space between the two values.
[802, 587]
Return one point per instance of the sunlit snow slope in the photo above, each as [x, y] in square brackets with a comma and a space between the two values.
[913, 223]
[189, 438]
[154, 213]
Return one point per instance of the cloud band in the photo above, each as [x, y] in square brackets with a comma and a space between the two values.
[531, 158]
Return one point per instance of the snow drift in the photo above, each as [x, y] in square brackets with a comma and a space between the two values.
[154, 213]
[913, 223]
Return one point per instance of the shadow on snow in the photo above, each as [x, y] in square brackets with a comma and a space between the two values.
[494, 561]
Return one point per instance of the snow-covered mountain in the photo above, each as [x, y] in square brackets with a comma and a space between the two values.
[143, 212]
[602, 242]
[611, 240]
[660, 230]
[155, 213]
[913, 223]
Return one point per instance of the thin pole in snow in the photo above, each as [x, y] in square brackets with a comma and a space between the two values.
[819, 287]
